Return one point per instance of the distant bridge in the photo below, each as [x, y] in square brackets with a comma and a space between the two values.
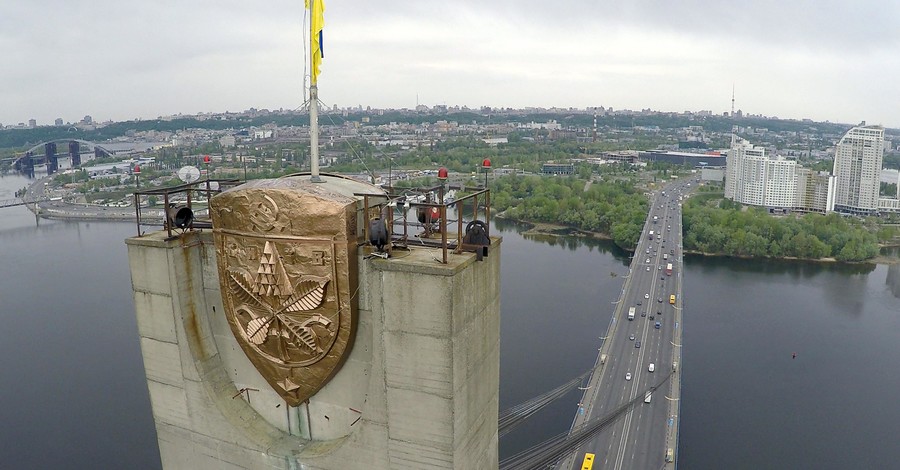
[26, 162]
[19, 202]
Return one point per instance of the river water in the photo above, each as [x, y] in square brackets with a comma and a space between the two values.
[72, 390]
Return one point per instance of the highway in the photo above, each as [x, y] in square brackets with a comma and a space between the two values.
[641, 438]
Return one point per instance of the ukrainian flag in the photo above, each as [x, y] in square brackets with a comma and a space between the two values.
[316, 22]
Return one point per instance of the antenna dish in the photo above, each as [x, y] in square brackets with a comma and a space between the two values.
[189, 174]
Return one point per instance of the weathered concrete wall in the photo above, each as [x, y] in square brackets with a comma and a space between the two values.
[419, 390]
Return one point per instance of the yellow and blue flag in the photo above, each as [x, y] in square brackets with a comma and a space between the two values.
[316, 23]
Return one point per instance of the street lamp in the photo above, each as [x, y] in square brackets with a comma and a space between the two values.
[443, 174]
[206, 161]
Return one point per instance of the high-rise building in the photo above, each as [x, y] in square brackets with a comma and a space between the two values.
[755, 179]
[857, 170]
[742, 169]
[815, 191]
[780, 182]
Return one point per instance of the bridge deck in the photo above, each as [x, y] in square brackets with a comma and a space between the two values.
[642, 436]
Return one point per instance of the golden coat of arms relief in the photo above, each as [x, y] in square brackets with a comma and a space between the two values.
[287, 272]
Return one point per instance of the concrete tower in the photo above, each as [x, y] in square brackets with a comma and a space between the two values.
[857, 170]
[277, 341]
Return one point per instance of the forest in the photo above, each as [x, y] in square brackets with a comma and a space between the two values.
[614, 208]
[715, 225]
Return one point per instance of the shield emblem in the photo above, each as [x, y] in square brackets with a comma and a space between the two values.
[287, 263]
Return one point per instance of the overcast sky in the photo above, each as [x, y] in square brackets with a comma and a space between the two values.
[123, 59]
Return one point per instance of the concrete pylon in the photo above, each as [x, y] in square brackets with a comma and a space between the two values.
[418, 389]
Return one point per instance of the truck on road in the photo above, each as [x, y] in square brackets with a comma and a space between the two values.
[669, 269]
[631, 313]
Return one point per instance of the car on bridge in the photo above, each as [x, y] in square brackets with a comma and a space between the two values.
[659, 299]
[657, 325]
[637, 344]
[588, 462]
[628, 376]
[631, 337]
[652, 367]
[646, 296]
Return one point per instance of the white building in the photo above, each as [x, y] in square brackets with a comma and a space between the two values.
[745, 172]
[752, 179]
[755, 179]
[780, 183]
[857, 169]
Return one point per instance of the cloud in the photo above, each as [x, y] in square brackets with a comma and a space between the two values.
[126, 59]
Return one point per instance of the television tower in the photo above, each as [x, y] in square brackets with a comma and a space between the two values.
[732, 100]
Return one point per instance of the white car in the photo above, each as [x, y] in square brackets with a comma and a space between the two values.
[628, 376]
[652, 367]
[646, 296]
[648, 268]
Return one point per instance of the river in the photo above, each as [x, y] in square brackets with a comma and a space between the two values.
[74, 396]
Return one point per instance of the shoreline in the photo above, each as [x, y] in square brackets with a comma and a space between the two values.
[149, 216]
[556, 230]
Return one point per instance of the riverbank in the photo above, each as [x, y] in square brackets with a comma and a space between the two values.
[70, 211]
[880, 259]
[58, 208]
[561, 231]
[546, 229]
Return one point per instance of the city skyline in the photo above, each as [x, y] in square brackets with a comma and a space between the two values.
[826, 61]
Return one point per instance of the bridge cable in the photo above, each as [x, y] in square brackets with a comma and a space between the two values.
[515, 415]
[552, 450]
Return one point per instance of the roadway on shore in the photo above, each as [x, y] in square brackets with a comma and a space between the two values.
[56, 208]
[642, 437]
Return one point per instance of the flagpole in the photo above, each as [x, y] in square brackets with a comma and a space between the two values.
[314, 133]
[313, 99]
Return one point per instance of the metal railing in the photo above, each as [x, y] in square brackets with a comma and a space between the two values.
[207, 188]
[427, 200]
[435, 218]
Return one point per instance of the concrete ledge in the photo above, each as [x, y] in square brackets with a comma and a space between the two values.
[426, 260]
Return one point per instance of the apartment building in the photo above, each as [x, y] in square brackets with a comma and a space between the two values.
[857, 168]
